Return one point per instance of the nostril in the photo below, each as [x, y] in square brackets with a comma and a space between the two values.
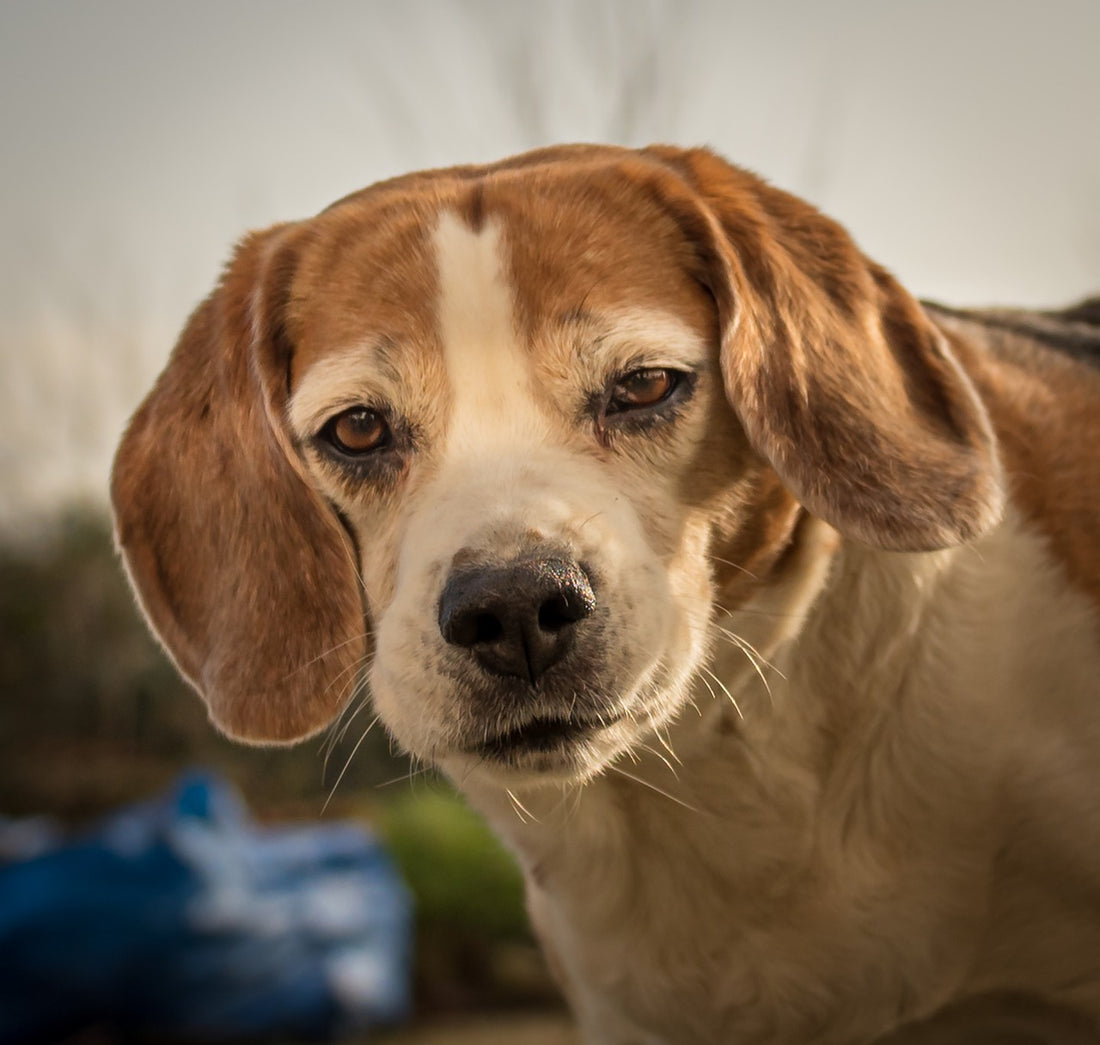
[559, 612]
[552, 615]
[486, 628]
[469, 627]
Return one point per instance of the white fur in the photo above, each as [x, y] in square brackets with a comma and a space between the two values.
[492, 409]
[340, 380]
[644, 337]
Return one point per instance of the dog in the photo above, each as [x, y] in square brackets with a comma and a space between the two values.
[754, 603]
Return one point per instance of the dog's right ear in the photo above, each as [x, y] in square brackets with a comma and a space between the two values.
[243, 571]
[838, 377]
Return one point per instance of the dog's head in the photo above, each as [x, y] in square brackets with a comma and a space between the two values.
[502, 437]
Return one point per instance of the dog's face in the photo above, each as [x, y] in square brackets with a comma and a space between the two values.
[531, 446]
[505, 438]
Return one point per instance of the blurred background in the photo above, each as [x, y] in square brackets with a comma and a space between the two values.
[956, 139]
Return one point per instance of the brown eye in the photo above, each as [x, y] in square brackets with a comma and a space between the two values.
[358, 431]
[641, 388]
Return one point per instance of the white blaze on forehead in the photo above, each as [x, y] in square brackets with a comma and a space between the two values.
[489, 374]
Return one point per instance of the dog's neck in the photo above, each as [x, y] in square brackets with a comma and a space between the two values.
[794, 674]
[823, 798]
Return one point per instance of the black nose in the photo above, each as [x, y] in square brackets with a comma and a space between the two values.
[517, 620]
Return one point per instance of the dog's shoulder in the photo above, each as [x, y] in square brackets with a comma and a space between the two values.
[1038, 374]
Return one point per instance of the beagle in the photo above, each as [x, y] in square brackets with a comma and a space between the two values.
[754, 603]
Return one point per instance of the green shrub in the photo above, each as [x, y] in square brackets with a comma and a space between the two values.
[461, 875]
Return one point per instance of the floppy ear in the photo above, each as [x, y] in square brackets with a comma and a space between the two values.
[245, 574]
[837, 376]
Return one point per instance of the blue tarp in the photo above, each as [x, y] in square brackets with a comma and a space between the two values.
[181, 917]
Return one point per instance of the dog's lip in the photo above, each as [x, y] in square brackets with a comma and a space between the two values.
[543, 733]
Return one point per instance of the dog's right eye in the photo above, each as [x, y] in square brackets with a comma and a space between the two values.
[357, 432]
[642, 388]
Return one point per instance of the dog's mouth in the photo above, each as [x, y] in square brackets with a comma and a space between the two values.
[542, 735]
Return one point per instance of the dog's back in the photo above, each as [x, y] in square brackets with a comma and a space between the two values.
[1074, 330]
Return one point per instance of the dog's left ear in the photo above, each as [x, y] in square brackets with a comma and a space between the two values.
[244, 571]
[837, 376]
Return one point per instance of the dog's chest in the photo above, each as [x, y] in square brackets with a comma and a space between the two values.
[722, 921]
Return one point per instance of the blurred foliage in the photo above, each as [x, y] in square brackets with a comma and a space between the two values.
[474, 943]
[481, 891]
[99, 714]
[92, 714]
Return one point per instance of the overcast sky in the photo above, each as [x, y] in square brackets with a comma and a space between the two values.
[957, 139]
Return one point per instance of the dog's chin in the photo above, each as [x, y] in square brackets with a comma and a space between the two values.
[542, 751]
[505, 738]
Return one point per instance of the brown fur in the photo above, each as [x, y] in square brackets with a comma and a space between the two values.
[222, 534]
[838, 378]
[1044, 408]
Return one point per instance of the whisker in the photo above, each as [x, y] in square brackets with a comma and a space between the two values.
[561, 801]
[352, 687]
[579, 797]
[735, 565]
[332, 649]
[357, 685]
[653, 787]
[417, 770]
[349, 550]
[657, 754]
[470, 770]
[667, 745]
[353, 670]
[337, 736]
[722, 686]
[354, 750]
[339, 729]
[405, 778]
[521, 809]
[753, 612]
[750, 658]
[516, 809]
[748, 647]
[702, 679]
[594, 515]
[744, 648]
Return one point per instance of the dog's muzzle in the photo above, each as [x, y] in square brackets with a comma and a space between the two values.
[517, 620]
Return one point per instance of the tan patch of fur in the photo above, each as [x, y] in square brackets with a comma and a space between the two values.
[1045, 407]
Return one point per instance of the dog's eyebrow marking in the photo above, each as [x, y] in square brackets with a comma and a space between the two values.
[489, 375]
[647, 336]
[357, 374]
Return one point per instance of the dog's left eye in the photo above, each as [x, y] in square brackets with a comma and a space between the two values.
[358, 431]
[641, 388]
